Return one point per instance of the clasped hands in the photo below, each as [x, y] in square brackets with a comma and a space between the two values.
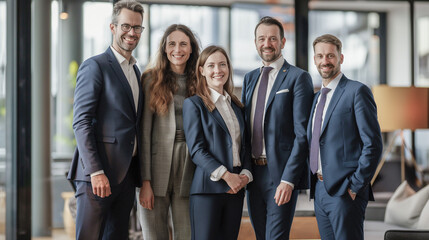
[235, 181]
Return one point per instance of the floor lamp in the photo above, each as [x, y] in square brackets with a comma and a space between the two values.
[400, 108]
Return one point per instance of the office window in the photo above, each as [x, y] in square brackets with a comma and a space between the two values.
[422, 74]
[97, 35]
[422, 47]
[361, 46]
[3, 32]
[244, 18]
[209, 24]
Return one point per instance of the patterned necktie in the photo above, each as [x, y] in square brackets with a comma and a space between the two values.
[314, 149]
[259, 113]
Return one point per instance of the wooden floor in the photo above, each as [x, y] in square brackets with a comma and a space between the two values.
[302, 228]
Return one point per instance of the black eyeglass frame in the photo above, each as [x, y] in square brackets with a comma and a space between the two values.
[127, 27]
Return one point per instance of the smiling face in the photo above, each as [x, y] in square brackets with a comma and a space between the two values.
[178, 49]
[216, 71]
[126, 42]
[328, 61]
[269, 43]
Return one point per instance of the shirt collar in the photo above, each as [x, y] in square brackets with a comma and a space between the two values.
[334, 83]
[121, 58]
[214, 95]
[277, 64]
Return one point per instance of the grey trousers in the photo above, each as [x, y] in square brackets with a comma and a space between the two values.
[171, 209]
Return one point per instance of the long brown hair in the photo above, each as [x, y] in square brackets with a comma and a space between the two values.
[202, 88]
[163, 84]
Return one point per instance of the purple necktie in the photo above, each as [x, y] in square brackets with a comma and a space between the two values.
[259, 113]
[314, 149]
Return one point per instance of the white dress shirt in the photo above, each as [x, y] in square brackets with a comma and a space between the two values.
[223, 105]
[130, 74]
[332, 85]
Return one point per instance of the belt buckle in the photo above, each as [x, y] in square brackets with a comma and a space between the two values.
[260, 161]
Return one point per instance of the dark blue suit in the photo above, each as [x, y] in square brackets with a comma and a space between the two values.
[286, 116]
[214, 213]
[350, 149]
[105, 124]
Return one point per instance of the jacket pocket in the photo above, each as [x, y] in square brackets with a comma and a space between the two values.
[342, 111]
[350, 164]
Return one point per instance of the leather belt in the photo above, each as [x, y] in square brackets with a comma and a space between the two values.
[180, 136]
[259, 161]
[320, 177]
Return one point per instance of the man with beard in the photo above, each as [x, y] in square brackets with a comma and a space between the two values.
[345, 146]
[277, 99]
[107, 107]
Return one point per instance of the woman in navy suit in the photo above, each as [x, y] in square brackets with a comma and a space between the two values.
[214, 129]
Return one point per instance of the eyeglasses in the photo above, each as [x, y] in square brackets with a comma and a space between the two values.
[127, 27]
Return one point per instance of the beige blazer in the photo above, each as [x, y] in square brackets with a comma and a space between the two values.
[158, 133]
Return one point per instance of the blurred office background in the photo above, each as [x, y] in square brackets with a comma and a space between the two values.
[42, 43]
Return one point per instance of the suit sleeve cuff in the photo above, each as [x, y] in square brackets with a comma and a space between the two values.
[97, 173]
[217, 174]
[248, 174]
[289, 183]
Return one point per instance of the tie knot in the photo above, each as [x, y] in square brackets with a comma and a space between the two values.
[266, 70]
[325, 91]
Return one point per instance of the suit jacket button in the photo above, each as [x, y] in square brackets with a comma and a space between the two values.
[132, 142]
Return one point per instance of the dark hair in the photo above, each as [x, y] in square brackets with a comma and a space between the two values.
[202, 87]
[163, 84]
[329, 38]
[128, 4]
[267, 20]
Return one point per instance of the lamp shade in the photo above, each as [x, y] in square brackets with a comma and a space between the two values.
[401, 107]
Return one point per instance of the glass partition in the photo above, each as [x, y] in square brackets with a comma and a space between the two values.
[422, 78]
[2, 119]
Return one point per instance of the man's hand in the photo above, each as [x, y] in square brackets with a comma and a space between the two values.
[146, 196]
[100, 185]
[352, 195]
[283, 193]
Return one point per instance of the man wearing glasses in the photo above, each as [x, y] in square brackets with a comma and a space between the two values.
[107, 107]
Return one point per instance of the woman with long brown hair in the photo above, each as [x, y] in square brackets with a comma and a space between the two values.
[214, 128]
[167, 170]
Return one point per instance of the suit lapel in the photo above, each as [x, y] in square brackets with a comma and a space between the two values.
[216, 115]
[140, 100]
[121, 76]
[239, 115]
[310, 121]
[281, 76]
[249, 94]
[335, 98]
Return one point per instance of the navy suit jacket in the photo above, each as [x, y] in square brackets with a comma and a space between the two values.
[350, 140]
[105, 121]
[285, 123]
[210, 144]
